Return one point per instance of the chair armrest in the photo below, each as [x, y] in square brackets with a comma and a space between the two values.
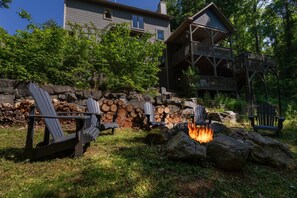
[280, 122]
[84, 113]
[252, 119]
[61, 117]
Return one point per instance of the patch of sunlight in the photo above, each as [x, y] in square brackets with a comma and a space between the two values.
[143, 187]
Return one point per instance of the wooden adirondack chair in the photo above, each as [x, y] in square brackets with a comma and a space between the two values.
[149, 111]
[200, 116]
[94, 107]
[54, 139]
[266, 118]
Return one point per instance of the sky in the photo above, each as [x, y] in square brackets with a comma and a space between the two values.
[43, 10]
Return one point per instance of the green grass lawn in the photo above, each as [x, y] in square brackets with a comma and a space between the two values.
[122, 165]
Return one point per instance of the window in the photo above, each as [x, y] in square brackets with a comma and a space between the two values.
[107, 14]
[160, 35]
[137, 22]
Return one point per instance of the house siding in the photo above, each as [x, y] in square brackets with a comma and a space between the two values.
[209, 19]
[85, 12]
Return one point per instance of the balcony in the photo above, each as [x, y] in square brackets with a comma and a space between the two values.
[201, 49]
[217, 83]
[205, 49]
[253, 62]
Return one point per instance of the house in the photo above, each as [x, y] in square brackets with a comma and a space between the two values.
[202, 41]
[102, 13]
[196, 43]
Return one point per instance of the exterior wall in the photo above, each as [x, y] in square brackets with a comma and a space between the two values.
[86, 12]
[209, 19]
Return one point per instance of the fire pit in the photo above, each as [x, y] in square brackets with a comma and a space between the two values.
[229, 151]
[202, 134]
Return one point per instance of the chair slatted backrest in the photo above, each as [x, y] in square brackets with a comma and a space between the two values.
[266, 114]
[200, 114]
[45, 106]
[93, 107]
[149, 109]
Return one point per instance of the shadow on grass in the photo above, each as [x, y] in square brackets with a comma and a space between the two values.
[13, 154]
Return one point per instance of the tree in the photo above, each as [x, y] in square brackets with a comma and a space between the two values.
[129, 63]
[4, 3]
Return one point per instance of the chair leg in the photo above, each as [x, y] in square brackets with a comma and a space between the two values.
[78, 149]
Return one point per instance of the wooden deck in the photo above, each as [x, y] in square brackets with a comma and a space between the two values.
[217, 83]
[253, 62]
[201, 49]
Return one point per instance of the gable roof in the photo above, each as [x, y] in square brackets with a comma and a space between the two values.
[130, 8]
[214, 9]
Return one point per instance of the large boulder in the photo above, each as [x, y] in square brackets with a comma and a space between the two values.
[268, 151]
[224, 117]
[182, 147]
[228, 153]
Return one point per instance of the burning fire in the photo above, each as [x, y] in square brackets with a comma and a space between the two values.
[200, 134]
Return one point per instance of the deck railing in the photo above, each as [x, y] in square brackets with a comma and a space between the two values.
[201, 49]
[216, 83]
[253, 62]
[205, 49]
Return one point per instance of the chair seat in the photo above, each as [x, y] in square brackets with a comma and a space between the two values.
[274, 128]
[158, 123]
[89, 134]
[109, 125]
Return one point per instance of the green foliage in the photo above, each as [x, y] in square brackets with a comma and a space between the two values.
[4, 3]
[190, 78]
[225, 102]
[129, 62]
[49, 54]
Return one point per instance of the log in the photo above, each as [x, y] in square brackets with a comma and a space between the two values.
[133, 114]
[160, 110]
[129, 107]
[109, 116]
[120, 102]
[166, 110]
[105, 108]
[113, 108]
[109, 102]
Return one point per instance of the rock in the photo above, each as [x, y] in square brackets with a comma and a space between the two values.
[182, 147]
[215, 116]
[229, 117]
[48, 88]
[225, 117]
[71, 97]
[87, 94]
[228, 153]
[136, 103]
[96, 95]
[59, 89]
[189, 104]
[21, 90]
[6, 86]
[218, 127]
[265, 150]
[79, 94]
[7, 99]
[157, 136]
[62, 97]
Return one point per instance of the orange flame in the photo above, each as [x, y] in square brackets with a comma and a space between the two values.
[200, 134]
